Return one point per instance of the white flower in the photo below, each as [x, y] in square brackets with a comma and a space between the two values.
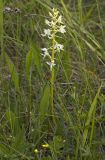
[53, 24]
[55, 12]
[59, 47]
[17, 10]
[51, 64]
[60, 19]
[46, 53]
[62, 29]
[47, 32]
[47, 22]
[50, 14]
[7, 9]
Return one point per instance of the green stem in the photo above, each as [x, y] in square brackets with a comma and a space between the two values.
[52, 91]
[52, 77]
[1, 28]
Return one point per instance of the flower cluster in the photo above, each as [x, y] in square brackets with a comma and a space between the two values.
[55, 25]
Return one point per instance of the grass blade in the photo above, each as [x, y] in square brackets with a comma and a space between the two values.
[1, 24]
[89, 118]
[44, 103]
[29, 59]
[13, 72]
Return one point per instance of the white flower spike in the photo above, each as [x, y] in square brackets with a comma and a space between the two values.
[55, 26]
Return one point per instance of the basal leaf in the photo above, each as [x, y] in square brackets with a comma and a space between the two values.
[44, 103]
[13, 71]
[36, 57]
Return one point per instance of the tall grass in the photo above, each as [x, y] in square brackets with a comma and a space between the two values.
[26, 129]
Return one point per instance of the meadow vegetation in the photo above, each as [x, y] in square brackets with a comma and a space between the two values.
[62, 118]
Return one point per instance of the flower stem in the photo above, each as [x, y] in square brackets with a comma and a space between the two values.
[52, 78]
[52, 92]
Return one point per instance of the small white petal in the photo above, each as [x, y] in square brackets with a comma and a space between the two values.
[47, 22]
[60, 19]
[47, 32]
[7, 9]
[51, 64]
[59, 47]
[44, 49]
[46, 53]
[62, 29]
[50, 14]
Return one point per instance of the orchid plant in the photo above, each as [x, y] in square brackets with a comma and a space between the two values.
[55, 27]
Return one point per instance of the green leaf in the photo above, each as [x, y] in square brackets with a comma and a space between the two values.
[4, 150]
[89, 117]
[33, 57]
[13, 71]
[1, 21]
[56, 145]
[36, 57]
[47, 158]
[13, 122]
[29, 59]
[67, 66]
[16, 131]
[44, 103]
[19, 141]
[68, 158]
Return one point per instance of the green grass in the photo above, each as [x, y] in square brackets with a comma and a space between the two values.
[79, 91]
